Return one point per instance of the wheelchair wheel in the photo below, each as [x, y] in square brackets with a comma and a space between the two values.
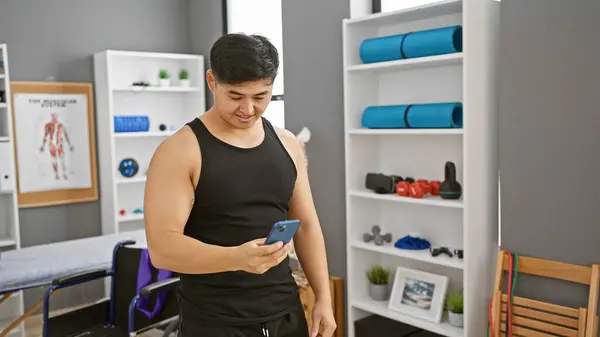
[171, 329]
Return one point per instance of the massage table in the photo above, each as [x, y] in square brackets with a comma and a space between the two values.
[39, 265]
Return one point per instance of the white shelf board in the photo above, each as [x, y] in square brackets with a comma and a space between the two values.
[419, 255]
[158, 89]
[143, 134]
[3, 105]
[431, 201]
[7, 242]
[381, 309]
[387, 132]
[417, 13]
[2, 76]
[4, 139]
[132, 180]
[409, 64]
[130, 217]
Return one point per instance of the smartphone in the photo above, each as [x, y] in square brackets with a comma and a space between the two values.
[282, 231]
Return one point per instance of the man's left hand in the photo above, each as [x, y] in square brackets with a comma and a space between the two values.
[322, 315]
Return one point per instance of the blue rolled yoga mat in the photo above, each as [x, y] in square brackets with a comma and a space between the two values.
[381, 49]
[431, 42]
[417, 116]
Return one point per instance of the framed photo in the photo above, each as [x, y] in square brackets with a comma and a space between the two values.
[419, 294]
[54, 143]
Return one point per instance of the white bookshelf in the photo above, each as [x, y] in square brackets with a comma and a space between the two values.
[175, 105]
[10, 238]
[469, 223]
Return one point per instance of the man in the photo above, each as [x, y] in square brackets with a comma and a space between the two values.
[55, 133]
[214, 191]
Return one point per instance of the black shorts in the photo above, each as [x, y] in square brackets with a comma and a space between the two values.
[292, 324]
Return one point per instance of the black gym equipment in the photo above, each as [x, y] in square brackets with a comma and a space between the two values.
[442, 250]
[450, 188]
[382, 183]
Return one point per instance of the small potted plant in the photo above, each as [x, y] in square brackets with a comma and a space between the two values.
[184, 78]
[378, 283]
[454, 304]
[163, 75]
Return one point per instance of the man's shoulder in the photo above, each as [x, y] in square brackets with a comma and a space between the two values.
[285, 134]
[291, 143]
[179, 145]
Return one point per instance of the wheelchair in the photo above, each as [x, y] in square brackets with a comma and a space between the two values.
[120, 314]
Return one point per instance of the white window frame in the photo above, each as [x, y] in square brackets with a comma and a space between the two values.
[234, 11]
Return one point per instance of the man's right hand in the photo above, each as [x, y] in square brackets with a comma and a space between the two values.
[256, 258]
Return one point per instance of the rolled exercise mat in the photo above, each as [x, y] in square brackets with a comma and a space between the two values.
[438, 41]
[131, 123]
[422, 116]
[381, 49]
[435, 115]
[384, 117]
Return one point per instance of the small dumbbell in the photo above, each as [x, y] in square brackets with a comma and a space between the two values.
[376, 236]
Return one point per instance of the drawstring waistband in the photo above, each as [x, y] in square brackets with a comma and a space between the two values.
[265, 330]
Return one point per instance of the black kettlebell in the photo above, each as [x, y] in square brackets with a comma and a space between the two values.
[450, 188]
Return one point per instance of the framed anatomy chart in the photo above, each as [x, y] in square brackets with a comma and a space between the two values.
[55, 146]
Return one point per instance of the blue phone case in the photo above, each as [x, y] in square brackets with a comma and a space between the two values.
[282, 231]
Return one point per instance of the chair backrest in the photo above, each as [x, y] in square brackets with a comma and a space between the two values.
[127, 262]
[531, 318]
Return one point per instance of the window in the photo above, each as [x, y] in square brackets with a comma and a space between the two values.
[264, 18]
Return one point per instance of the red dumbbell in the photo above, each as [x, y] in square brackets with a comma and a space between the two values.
[417, 190]
[402, 188]
[435, 187]
[425, 185]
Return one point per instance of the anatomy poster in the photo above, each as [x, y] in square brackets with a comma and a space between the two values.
[53, 142]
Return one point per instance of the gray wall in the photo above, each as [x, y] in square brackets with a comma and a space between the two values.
[65, 53]
[549, 136]
[206, 26]
[314, 98]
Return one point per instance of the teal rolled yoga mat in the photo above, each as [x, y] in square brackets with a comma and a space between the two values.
[416, 116]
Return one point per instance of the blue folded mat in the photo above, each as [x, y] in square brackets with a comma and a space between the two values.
[430, 42]
[416, 116]
[412, 243]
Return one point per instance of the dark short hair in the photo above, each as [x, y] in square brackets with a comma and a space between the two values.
[237, 58]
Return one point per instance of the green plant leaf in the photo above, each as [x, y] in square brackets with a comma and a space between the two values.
[378, 275]
[183, 74]
[454, 302]
[164, 74]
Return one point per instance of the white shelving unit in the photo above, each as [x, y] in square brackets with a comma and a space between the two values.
[10, 238]
[469, 223]
[173, 106]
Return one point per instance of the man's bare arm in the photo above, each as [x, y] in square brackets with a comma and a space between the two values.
[308, 241]
[168, 199]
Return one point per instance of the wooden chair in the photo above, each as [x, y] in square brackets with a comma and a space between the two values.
[532, 318]
[307, 296]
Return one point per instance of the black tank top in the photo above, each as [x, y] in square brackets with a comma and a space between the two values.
[240, 194]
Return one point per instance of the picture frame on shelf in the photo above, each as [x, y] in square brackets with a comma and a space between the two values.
[419, 294]
[55, 145]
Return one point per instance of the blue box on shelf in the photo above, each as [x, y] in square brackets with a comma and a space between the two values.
[131, 123]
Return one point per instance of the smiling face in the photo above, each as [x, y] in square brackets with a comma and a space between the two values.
[241, 105]
[242, 71]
